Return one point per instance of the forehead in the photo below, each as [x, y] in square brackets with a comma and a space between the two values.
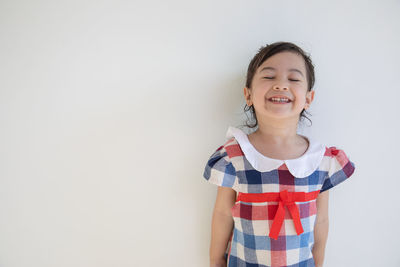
[283, 61]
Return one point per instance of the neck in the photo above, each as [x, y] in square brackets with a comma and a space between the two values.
[278, 132]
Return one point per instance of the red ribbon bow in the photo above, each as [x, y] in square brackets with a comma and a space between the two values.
[334, 150]
[285, 198]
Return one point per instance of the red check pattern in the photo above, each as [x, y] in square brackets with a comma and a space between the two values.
[275, 212]
[284, 198]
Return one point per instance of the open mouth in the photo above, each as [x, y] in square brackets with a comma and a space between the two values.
[279, 100]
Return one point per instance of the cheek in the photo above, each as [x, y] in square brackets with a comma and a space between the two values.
[259, 95]
[300, 93]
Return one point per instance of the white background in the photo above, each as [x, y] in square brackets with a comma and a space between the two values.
[109, 111]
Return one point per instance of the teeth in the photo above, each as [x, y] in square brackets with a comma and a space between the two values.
[277, 99]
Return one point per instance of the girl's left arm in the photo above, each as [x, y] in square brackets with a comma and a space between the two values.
[321, 228]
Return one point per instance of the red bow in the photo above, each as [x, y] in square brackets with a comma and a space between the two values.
[334, 150]
[285, 198]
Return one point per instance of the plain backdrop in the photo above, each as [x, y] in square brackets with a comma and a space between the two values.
[109, 111]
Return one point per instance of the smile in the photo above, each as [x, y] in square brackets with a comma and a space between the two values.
[279, 100]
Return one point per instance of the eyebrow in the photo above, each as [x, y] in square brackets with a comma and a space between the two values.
[271, 68]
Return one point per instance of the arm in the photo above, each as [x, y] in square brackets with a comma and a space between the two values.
[222, 225]
[321, 228]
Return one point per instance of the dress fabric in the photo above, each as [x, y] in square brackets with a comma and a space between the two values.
[275, 210]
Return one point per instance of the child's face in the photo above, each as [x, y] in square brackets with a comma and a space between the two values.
[282, 74]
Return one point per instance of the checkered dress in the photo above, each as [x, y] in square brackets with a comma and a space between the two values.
[275, 210]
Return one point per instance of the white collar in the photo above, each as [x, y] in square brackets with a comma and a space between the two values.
[300, 167]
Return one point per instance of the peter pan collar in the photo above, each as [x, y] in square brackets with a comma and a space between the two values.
[300, 167]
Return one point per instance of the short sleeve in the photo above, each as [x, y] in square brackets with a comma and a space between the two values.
[341, 168]
[219, 169]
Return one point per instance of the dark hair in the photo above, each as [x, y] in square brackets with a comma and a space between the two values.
[268, 51]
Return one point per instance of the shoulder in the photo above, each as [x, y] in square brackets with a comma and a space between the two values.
[219, 169]
[222, 154]
[334, 153]
[229, 149]
[339, 167]
[334, 158]
[337, 155]
[223, 150]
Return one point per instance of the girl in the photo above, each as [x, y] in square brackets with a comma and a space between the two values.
[272, 202]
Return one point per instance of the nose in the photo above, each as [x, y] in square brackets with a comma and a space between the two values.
[280, 87]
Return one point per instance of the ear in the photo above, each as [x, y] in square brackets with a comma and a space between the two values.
[309, 98]
[247, 96]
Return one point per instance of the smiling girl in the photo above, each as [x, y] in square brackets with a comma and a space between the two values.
[271, 207]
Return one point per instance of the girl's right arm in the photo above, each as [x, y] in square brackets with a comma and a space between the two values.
[221, 226]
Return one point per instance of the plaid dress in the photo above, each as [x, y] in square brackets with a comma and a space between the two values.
[275, 210]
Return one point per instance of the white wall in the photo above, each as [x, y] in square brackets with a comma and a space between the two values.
[110, 109]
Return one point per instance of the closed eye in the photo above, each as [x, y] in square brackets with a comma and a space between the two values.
[270, 78]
